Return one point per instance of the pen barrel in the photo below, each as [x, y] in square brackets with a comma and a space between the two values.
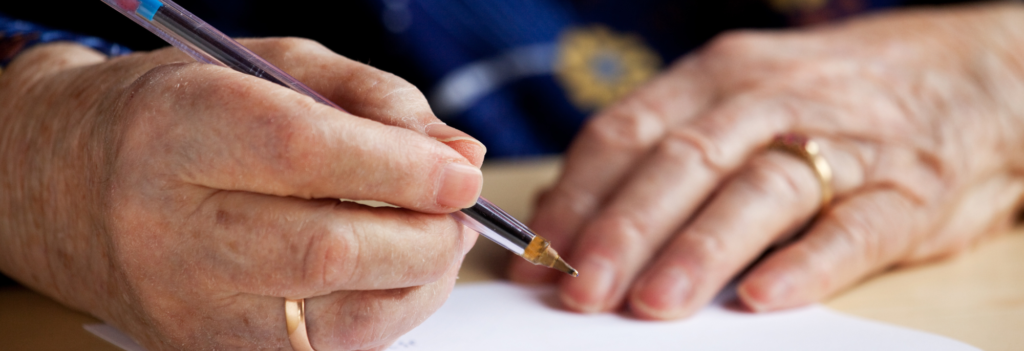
[205, 39]
[206, 44]
[497, 225]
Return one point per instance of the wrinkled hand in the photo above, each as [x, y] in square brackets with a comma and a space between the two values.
[181, 201]
[670, 194]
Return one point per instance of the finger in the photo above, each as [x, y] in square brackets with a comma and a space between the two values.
[223, 130]
[269, 245]
[664, 192]
[740, 221]
[773, 196]
[363, 90]
[606, 151]
[857, 237]
[366, 320]
[343, 320]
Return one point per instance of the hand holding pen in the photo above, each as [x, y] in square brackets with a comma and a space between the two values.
[204, 43]
[184, 200]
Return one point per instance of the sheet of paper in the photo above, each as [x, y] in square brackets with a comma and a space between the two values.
[501, 316]
[112, 335]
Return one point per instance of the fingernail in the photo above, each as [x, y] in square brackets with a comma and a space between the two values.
[589, 292]
[662, 295]
[443, 132]
[459, 141]
[766, 294]
[459, 186]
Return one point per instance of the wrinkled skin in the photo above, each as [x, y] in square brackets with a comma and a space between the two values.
[668, 195]
[181, 202]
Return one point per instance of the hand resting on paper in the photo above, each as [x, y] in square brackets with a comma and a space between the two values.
[670, 194]
[181, 202]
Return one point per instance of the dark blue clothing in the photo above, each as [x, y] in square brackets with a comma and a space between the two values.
[522, 76]
[16, 36]
[529, 113]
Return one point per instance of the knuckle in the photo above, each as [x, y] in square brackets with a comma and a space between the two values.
[152, 79]
[344, 254]
[396, 91]
[703, 247]
[734, 43]
[291, 54]
[626, 231]
[290, 45]
[568, 199]
[631, 126]
[858, 236]
[330, 257]
[387, 97]
[687, 146]
[854, 236]
[42, 60]
[779, 178]
[613, 237]
[801, 73]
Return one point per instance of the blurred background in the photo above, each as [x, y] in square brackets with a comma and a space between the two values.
[522, 76]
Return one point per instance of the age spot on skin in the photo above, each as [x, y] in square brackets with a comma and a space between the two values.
[227, 219]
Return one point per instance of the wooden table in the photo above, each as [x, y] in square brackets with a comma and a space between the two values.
[977, 297]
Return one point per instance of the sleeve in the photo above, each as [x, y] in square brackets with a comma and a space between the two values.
[17, 36]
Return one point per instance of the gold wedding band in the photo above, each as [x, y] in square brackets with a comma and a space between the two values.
[809, 151]
[295, 316]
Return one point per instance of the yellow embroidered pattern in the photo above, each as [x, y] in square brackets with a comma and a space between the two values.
[596, 66]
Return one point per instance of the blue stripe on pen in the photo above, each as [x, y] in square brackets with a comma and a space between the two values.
[148, 8]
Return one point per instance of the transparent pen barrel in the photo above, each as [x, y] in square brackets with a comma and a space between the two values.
[206, 44]
[497, 225]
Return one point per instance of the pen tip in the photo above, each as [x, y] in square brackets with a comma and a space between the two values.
[564, 267]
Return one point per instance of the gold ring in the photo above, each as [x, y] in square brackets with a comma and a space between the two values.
[810, 152]
[295, 315]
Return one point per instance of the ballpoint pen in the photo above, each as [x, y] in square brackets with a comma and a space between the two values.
[206, 44]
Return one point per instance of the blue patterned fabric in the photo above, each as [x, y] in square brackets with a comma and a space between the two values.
[16, 36]
[531, 113]
[445, 35]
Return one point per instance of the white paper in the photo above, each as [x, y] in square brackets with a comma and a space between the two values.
[501, 316]
[114, 336]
